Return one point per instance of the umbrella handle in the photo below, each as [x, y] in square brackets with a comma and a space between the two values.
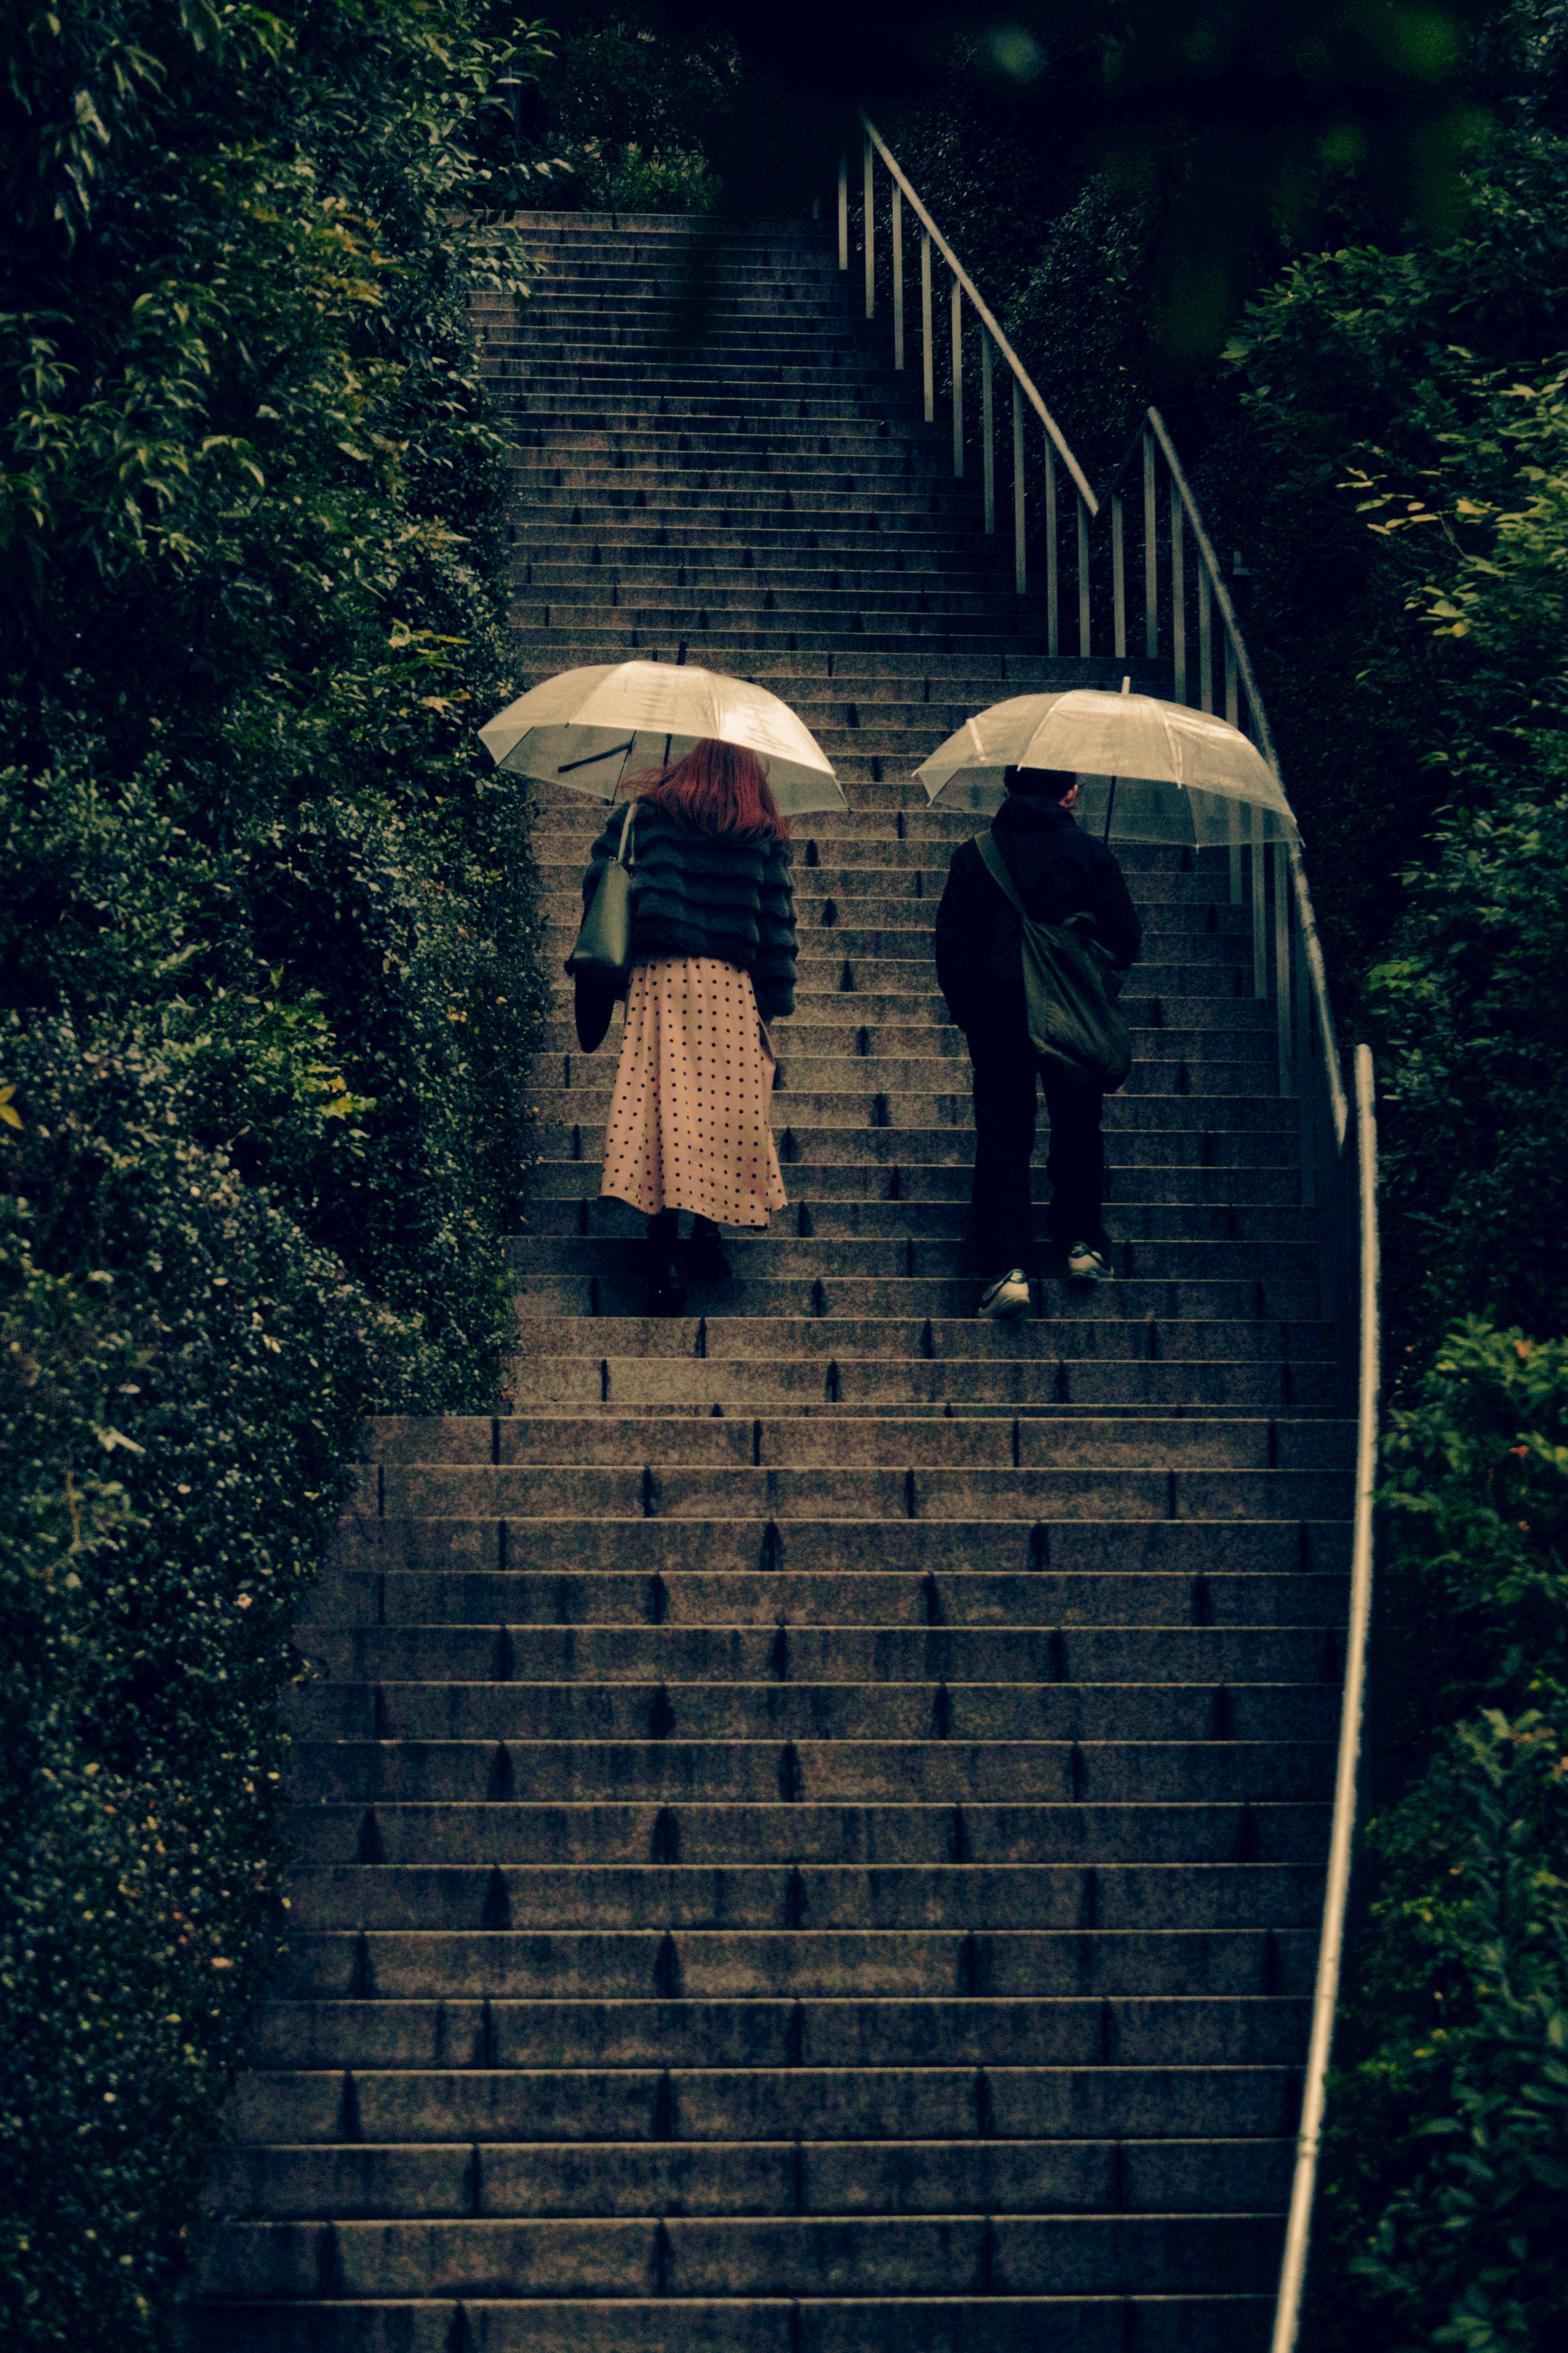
[1110, 805]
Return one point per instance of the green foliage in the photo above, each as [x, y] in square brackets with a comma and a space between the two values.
[268, 943]
[1420, 455]
[181, 1370]
[636, 106]
[1445, 2174]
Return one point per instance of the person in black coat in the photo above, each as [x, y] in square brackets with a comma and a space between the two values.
[1060, 870]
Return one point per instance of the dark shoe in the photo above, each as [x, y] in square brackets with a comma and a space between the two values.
[705, 1259]
[666, 1288]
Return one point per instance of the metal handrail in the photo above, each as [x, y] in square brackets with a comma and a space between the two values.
[1330, 1944]
[991, 342]
[1294, 973]
[1311, 946]
[982, 312]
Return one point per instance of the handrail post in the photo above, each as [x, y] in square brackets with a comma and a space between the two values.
[988, 435]
[982, 311]
[930, 362]
[898, 276]
[1259, 911]
[1117, 579]
[1232, 716]
[844, 211]
[957, 381]
[1205, 640]
[1283, 1023]
[1178, 601]
[1302, 1042]
[1020, 556]
[1053, 576]
[870, 204]
[1150, 555]
[1082, 580]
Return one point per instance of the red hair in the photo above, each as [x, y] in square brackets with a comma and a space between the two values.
[716, 788]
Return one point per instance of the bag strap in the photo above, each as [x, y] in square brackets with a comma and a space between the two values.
[996, 866]
[624, 847]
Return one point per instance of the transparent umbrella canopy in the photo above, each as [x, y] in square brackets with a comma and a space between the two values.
[587, 728]
[1147, 770]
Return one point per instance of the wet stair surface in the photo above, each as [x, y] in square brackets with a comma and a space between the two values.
[809, 1830]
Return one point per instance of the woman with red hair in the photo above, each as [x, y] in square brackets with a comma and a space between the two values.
[713, 955]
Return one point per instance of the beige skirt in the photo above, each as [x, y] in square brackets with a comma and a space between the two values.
[689, 1123]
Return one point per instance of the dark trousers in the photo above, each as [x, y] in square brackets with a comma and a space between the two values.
[1001, 1226]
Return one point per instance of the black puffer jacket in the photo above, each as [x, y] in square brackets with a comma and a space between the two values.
[707, 894]
[1059, 871]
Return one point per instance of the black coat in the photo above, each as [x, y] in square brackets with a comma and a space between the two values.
[707, 894]
[1060, 870]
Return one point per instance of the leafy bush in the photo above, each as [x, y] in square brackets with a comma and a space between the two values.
[181, 1372]
[268, 941]
[620, 176]
[1446, 2178]
[637, 106]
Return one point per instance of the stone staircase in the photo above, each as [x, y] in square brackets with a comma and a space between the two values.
[809, 1828]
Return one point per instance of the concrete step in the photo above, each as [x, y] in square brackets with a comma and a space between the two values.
[501, 1712]
[1222, 2323]
[636, 1385]
[943, 1551]
[1139, 2030]
[967, 2177]
[879, 1491]
[750, 1653]
[541, 1593]
[424, 1848]
[672, 1765]
[574, 1213]
[549, 1292]
[464, 2104]
[1166, 2324]
[1015, 2255]
[464, 1443]
[1145, 1197]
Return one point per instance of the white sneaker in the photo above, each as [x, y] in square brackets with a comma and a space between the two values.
[1086, 1265]
[1007, 1296]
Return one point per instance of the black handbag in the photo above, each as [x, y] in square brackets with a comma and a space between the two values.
[601, 956]
[1070, 984]
[604, 945]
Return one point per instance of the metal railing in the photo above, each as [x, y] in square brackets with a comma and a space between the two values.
[994, 344]
[1359, 1202]
[1189, 617]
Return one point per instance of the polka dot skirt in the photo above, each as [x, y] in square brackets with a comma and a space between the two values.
[688, 1123]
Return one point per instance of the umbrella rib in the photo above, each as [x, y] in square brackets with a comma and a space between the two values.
[593, 757]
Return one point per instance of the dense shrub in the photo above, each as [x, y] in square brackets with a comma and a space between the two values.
[267, 952]
[1445, 2181]
[635, 106]
[181, 1370]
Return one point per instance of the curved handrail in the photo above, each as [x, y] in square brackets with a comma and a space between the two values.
[1310, 942]
[1330, 1944]
[987, 320]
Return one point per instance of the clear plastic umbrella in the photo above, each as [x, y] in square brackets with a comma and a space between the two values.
[587, 728]
[1149, 771]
